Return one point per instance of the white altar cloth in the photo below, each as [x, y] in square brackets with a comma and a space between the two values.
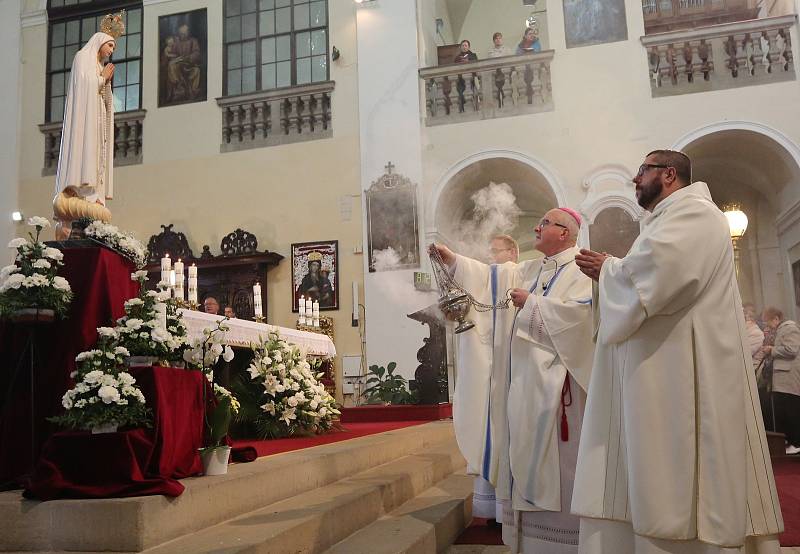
[243, 332]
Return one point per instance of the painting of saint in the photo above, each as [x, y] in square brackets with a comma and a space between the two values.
[183, 53]
[315, 273]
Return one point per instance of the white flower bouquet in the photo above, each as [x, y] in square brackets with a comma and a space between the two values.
[152, 325]
[103, 394]
[124, 243]
[284, 396]
[31, 281]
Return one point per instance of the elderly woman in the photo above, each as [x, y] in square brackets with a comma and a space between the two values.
[785, 376]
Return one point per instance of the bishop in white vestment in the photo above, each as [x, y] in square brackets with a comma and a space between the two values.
[518, 418]
[673, 456]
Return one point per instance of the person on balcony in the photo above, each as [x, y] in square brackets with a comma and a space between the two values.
[465, 55]
[530, 42]
[498, 49]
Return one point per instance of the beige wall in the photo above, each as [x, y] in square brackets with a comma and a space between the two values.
[282, 194]
[485, 17]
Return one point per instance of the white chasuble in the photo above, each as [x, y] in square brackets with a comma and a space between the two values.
[509, 414]
[86, 156]
[673, 445]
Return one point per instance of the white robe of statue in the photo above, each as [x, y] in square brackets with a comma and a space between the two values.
[508, 414]
[86, 156]
[673, 456]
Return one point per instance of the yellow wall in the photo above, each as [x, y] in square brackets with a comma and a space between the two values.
[282, 194]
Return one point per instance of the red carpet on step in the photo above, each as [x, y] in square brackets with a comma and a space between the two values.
[479, 532]
[787, 480]
[349, 431]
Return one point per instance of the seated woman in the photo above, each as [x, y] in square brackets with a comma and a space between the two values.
[465, 55]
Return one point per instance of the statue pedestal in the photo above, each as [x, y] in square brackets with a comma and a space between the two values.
[430, 378]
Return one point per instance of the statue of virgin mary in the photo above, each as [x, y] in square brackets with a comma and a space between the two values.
[84, 179]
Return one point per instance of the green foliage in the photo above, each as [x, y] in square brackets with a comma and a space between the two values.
[218, 420]
[386, 387]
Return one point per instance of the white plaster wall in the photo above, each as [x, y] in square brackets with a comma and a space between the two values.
[485, 17]
[10, 45]
[389, 117]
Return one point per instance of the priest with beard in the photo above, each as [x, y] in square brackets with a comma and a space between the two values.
[518, 417]
[673, 456]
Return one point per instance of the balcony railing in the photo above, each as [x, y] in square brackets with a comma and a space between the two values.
[668, 15]
[281, 116]
[128, 135]
[488, 89]
[730, 55]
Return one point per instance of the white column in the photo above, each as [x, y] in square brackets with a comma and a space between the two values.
[389, 119]
[10, 46]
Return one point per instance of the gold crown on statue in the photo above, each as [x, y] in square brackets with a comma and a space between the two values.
[113, 24]
[315, 256]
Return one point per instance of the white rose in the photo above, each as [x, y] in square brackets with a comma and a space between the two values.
[60, 283]
[323, 411]
[108, 394]
[17, 242]
[38, 221]
[292, 401]
[53, 253]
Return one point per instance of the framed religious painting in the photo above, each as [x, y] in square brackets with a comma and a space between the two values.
[182, 58]
[315, 273]
[588, 22]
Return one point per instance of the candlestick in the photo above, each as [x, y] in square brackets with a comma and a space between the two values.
[161, 314]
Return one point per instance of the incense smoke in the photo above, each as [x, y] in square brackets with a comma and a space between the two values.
[495, 212]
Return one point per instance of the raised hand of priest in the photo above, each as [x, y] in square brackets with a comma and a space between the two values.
[591, 262]
[519, 296]
[108, 71]
[447, 255]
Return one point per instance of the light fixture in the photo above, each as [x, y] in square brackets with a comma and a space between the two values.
[737, 224]
[363, 3]
[16, 216]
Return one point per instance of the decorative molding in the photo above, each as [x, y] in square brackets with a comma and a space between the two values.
[552, 178]
[722, 29]
[610, 172]
[146, 3]
[788, 218]
[33, 18]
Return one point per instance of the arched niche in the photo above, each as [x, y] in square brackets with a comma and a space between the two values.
[613, 230]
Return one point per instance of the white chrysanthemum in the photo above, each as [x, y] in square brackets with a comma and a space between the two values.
[17, 242]
[8, 270]
[134, 323]
[66, 400]
[38, 221]
[108, 394]
[60, 283]
[160, 335]
[134, 302]
[35, 280]
[80, 403]
[13, 281]
[41, 263]
[109, 332]
[121, 351]
[53, 253]
[93, 377]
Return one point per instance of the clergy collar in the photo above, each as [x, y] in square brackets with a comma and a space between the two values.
[563, 257]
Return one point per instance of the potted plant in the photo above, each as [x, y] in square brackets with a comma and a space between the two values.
[202, 354]
[104, 397]
[387, 388]
[30, 290]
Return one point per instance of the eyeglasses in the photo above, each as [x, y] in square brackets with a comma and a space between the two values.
[544, 222]
[645, 167]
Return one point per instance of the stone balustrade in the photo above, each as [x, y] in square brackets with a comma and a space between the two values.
[128, 135]
[280, 116]
[716, 57]
[488, 89]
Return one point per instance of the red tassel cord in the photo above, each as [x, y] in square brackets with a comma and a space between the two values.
[566, 400]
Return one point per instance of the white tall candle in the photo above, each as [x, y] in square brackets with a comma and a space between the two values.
[309, 310]
[161, 314]
[301, 310]
[257, 300]
[192, 289]
[192, 271]
[166, 267]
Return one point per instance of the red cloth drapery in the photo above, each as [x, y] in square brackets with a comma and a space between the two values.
[101, 282]
[131, 463]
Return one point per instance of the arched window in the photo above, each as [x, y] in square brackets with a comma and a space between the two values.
[613, 230]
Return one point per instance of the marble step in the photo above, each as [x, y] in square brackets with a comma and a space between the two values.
[426, 524]
[315, 520]
[477, 549]
[135, 524]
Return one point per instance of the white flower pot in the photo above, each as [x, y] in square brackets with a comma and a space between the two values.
[215, 460]
[105, 428]
[140, 361]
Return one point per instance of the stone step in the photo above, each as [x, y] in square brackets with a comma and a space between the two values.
[478, 549]
[313, 521]
[135, 524]
[426, 524]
